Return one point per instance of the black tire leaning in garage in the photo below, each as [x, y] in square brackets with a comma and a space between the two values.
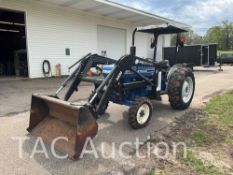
[181, 88]
[140, 113]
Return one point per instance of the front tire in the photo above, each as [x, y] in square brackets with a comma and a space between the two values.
[181, 88]
[140, 113]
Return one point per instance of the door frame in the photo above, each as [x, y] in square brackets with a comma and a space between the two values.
[26, 33]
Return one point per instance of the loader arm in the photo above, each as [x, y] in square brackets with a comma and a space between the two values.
[83, 68]
[84, 65]
[123, 64]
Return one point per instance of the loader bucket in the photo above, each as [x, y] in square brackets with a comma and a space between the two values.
[53, 120]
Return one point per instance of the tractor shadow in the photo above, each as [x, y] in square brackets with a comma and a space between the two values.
[113, 130]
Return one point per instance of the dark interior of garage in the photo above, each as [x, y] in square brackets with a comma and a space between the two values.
[13, 52]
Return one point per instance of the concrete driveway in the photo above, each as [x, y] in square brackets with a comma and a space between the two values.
[113, 127]
[16, 94]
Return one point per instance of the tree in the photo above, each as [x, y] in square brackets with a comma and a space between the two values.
[228, 35]
[190, 38]
[223, 35]
[215, 35]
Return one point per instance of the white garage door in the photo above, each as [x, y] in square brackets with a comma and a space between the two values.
[111, 41]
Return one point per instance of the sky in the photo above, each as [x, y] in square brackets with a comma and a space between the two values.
[200, 14]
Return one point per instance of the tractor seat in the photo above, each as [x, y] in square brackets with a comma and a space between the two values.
[162, 64]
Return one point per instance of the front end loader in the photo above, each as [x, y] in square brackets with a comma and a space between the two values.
[58, 120]
[131, 81]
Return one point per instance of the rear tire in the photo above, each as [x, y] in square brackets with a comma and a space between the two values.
[140, 113]
[181, 88]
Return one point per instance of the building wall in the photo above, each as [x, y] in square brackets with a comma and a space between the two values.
[51, 29]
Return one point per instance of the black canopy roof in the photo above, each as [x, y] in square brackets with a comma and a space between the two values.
[161, 29]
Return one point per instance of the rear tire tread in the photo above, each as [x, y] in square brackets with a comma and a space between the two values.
[175, 88]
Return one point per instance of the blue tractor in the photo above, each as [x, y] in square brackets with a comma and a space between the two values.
[131, 81]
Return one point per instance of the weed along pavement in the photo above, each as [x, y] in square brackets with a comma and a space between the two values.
[23, 154]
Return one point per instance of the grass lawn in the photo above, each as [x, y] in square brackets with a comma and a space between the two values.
[214, 133]
[199, 166]
[222, 52]
[220, 109]
[208, 134]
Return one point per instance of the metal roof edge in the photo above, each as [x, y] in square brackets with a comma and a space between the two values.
[138, 11]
